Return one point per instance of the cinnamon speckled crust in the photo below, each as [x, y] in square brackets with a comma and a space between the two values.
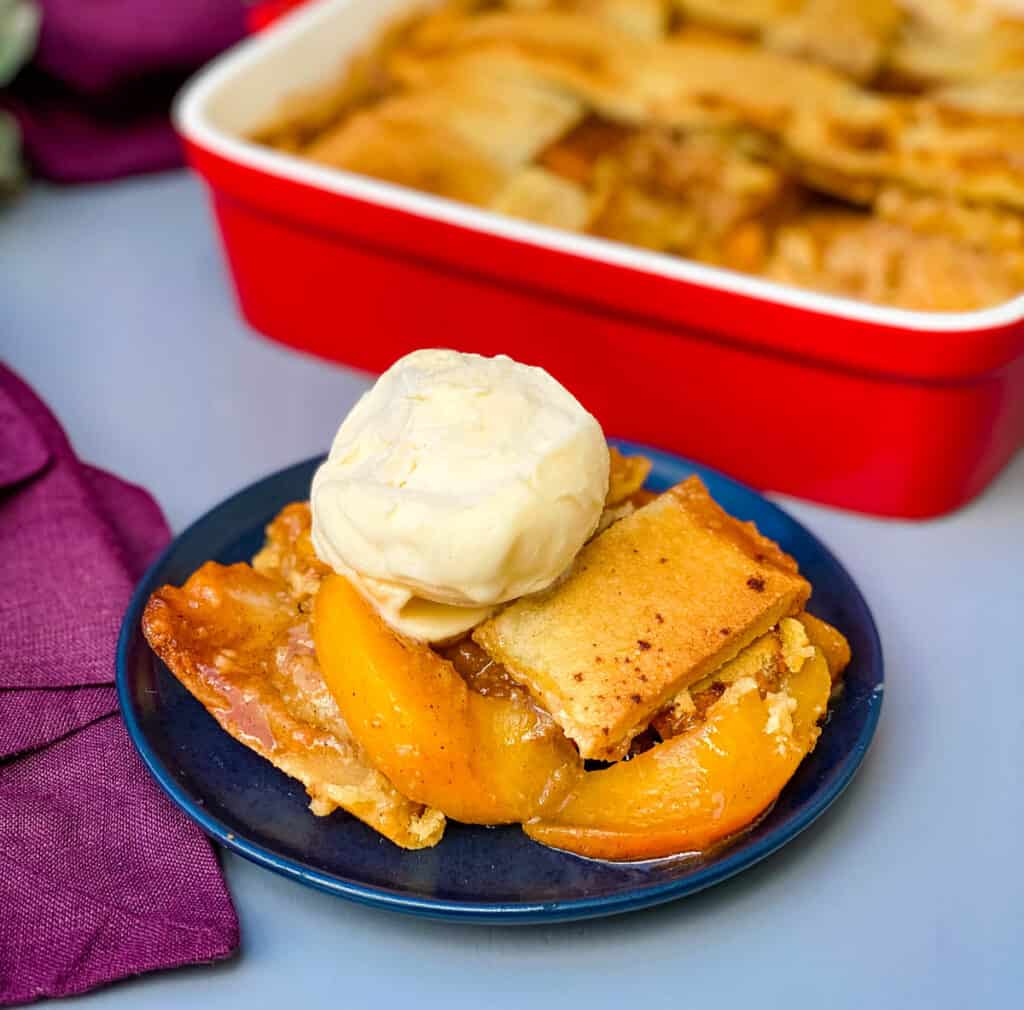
[240, 641]
[288, 553]
[885, 262]
[659, 600]
[853, 36]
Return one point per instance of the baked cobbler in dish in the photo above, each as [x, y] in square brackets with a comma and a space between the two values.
[866, 149]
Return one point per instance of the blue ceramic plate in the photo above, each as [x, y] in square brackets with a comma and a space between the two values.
[475, 874]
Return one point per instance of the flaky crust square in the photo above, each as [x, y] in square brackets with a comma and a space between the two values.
[659, 600]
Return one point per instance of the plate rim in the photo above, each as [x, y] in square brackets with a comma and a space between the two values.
[459, 910]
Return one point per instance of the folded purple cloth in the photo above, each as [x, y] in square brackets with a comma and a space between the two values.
[100, 875]
[93, 103]
[69, 139]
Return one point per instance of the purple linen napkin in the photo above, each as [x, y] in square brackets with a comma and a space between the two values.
[100, 875]
[93, 103]
[69, 139]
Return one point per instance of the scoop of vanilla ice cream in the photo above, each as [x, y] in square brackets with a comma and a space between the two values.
[415, 616]
[458, 480]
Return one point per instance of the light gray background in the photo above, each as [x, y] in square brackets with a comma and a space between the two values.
[114, 304]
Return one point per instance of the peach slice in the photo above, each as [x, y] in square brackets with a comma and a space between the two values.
[831, 641]
[695, 789]
[481, 760]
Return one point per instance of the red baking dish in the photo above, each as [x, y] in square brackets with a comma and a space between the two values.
[876, 409]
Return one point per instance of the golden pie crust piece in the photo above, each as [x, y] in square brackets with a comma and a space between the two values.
[883, 261]
[240, 641]
[840, 137]
[853, 36]
[464, 137]
[658, 601]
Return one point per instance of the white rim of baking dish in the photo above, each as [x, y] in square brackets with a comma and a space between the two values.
[191, 120]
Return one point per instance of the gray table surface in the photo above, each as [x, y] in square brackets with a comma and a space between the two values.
[115, 305]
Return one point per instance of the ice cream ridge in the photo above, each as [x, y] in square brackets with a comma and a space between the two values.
[447, 451]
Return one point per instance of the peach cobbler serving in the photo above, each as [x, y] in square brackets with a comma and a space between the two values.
[482, 614]
[866, 148]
